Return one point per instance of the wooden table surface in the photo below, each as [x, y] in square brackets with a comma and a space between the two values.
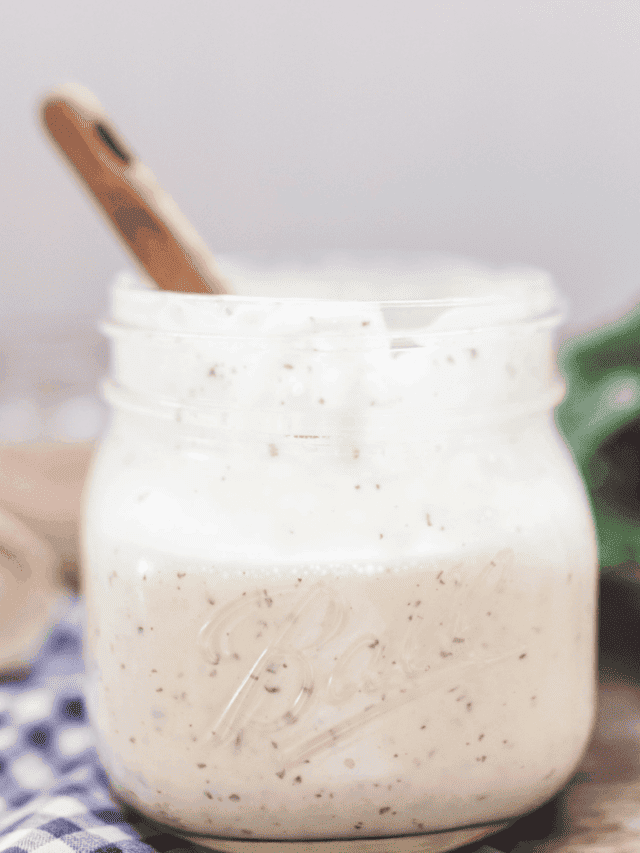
[599, 811]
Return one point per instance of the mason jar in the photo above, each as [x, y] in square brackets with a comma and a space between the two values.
[339, 567]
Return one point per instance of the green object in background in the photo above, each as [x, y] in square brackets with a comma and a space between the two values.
[600, 421]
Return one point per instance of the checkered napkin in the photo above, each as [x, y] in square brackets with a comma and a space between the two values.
[53, 792]
[54, 796]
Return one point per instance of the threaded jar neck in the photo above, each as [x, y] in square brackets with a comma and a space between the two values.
[476, 346]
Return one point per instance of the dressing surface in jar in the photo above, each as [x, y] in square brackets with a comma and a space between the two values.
[340, 570]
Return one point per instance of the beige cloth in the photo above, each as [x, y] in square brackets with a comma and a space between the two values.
[40, 491]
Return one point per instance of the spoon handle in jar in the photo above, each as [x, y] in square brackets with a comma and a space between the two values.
[148, 221]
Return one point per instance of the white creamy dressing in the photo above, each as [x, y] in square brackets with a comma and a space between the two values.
[340, 569]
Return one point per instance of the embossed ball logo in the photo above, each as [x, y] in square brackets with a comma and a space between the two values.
[298, 657]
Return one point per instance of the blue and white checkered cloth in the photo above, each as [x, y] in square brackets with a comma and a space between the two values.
[54, 796]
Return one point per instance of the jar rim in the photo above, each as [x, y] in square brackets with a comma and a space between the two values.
[457, 299]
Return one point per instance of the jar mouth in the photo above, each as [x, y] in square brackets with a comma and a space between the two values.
[314, 366]
[345, 299]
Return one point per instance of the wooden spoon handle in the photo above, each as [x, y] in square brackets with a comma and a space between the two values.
[156, 233]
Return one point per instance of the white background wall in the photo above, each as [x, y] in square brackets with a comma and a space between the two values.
[507, 130]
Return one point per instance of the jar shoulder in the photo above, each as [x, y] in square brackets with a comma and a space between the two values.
[268, 499]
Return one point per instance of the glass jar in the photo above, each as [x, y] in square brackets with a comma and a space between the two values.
[340, 569]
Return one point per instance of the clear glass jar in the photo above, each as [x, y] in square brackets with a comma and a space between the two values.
[340, 570]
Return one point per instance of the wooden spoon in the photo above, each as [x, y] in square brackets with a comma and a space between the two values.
[154, 231]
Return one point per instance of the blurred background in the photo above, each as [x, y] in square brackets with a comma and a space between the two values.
[503, 130]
